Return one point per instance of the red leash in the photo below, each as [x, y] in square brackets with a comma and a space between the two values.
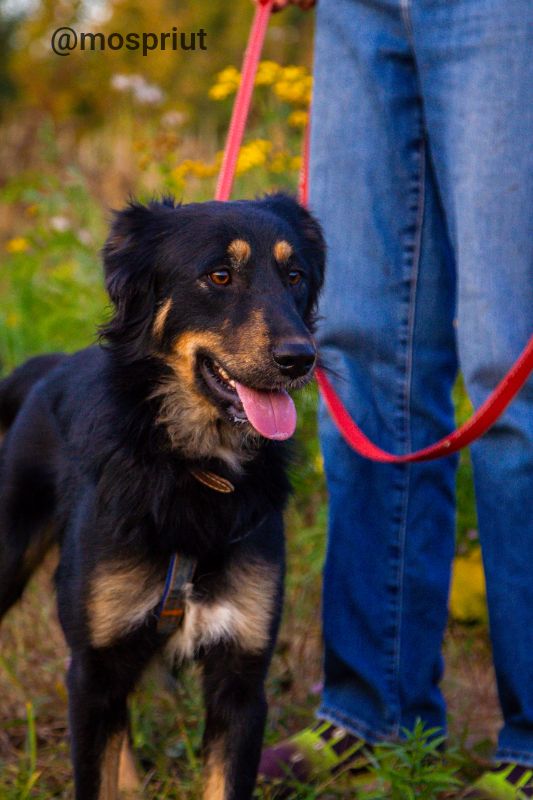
[243, 99]
[493, 406]
[475, 427]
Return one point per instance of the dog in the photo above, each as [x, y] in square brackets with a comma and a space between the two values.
[157, 459]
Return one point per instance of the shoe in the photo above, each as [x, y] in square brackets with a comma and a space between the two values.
[504, 782]
[316, 753]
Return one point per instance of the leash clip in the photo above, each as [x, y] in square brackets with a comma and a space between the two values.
[171, 609]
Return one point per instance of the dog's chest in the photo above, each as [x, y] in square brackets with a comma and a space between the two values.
[205, 624]
[122, 600]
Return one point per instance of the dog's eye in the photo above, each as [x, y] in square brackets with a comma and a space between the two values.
[295, 277]
[220, 277]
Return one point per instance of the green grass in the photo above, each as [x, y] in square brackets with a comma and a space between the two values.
[27, 775]
[415, 768]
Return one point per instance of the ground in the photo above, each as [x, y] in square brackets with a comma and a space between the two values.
[167, 716]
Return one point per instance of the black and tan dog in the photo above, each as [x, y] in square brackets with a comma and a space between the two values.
[156, 460]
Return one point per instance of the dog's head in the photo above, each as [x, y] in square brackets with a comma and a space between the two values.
[224, 294]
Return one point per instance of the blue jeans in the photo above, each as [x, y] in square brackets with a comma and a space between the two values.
[422, 176]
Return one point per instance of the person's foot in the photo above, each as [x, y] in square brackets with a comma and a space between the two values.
[504, 782]
[314, 753]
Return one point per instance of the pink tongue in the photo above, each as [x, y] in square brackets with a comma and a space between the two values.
[271, 413]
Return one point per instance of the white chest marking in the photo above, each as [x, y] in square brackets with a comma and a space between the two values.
[242, 615]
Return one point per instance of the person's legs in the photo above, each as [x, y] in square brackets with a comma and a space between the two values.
[476, 69]
[387, 334]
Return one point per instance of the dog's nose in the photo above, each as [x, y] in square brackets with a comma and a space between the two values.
[295, 358]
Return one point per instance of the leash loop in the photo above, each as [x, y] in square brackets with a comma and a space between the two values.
[471, 430]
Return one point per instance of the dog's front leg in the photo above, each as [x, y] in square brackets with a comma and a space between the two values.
[98, 726]
[235, 719]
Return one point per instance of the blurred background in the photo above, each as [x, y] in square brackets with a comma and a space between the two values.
[79, 135]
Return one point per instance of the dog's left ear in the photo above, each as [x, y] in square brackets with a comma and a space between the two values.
[131, 269]
[313, 245]
[128, 253]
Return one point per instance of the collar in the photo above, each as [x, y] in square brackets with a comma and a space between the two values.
[214, 481]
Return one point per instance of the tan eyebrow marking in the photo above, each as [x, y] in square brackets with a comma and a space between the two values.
[240, 250]
[161, 317]
[282, 251]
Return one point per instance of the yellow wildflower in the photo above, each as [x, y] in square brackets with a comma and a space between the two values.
[17, 245]
[228, 81]
[295, 163]
[203, 170]
[279, 162]
[229, 75]
[221, 90]
[298, 118]
[183, 169]
[294, 92]
[196, 168]
[267, 73]
[12, 319]
[293, 73]
[253, 155]
[467, 596]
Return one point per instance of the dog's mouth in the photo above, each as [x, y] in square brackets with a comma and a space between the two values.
[271, 412]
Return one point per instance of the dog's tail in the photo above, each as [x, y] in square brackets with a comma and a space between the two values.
[27, 495]
[15, 388]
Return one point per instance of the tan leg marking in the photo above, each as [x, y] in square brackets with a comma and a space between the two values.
[253, 591]
[109, 768]
[120, 597]
[128, 776]
[282, 251]
[161, 317]
[215, 785]
[240, 251]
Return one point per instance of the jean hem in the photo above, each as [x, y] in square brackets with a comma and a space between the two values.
[355, 726]
[514, 756]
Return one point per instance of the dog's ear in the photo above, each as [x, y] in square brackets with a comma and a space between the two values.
[128, 253]
[131, 268]
[313, 245]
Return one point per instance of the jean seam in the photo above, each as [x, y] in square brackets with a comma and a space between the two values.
[403, 483]
[405, 9]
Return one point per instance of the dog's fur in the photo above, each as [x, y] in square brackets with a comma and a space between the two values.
[98, 452]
